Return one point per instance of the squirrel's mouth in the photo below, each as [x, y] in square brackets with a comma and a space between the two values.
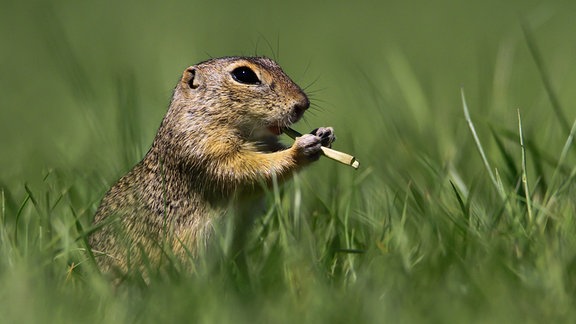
[266, 133]
[280, 126]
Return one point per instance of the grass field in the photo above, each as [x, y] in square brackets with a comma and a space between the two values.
[463, 210]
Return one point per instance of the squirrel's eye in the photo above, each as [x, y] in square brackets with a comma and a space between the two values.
[245, 75]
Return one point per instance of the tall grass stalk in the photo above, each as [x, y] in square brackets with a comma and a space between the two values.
[525, 185]
[497, 184]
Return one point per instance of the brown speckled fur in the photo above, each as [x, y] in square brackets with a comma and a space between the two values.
[212, 144]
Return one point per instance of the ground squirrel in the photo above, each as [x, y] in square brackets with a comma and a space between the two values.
[218, 140]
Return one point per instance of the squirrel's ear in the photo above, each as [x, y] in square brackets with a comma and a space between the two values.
[189, 78]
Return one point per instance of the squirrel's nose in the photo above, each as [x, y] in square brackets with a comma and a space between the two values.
[301, 105]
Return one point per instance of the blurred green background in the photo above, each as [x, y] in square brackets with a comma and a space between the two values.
[84, 86]
[385, 74]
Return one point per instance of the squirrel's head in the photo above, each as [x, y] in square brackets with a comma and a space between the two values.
[250, 94]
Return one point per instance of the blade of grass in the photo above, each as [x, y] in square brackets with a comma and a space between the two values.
[3, 209]
[463, 207]
[556, 185]
[128, 119]
[524, 172]
[564, 152]
[83, 236]
[541, 157]
[498, 187]
[508, 159]
[537, 56]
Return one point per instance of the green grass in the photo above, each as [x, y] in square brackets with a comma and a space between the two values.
[463, 210]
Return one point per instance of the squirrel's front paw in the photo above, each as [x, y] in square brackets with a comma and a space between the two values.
[326, 135]
[308, 148]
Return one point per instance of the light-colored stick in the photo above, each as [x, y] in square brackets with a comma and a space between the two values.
[328, 152]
